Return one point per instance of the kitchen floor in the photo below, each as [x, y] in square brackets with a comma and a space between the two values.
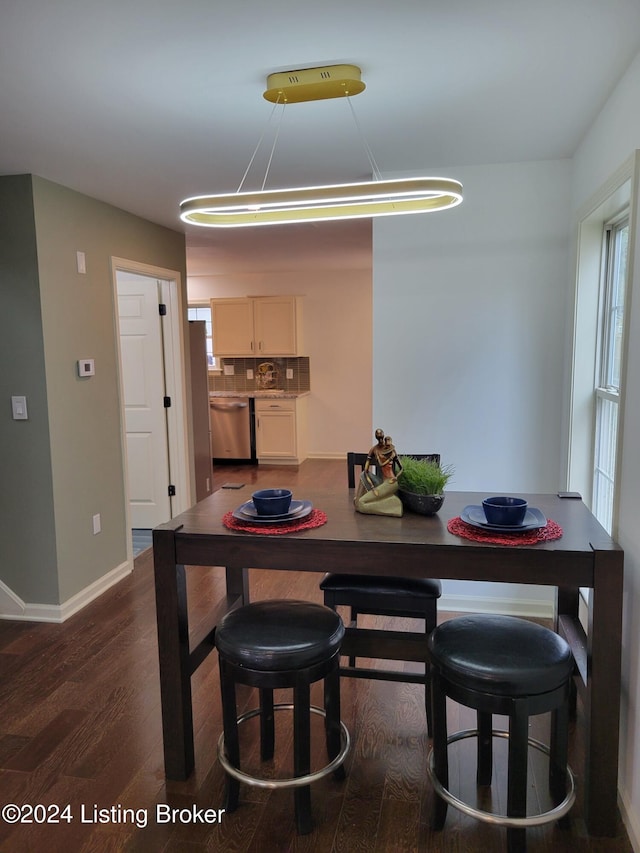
[327, 471]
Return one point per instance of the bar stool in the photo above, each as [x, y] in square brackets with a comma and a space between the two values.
[390, 595]
[502, 665]
[387, 596]
[281, 644]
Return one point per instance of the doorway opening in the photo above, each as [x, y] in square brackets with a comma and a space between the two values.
[153, 406]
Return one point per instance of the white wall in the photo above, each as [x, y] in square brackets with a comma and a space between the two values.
[337, 320]
[469, 310]
[469, 314]
[613, 138]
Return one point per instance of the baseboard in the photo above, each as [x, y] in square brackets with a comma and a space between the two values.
[287, 460]
[13, 607]
[535, 608]
[341, 456]
[630, 819]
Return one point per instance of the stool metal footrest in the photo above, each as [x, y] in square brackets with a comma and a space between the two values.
[295, 781]
[503, 820]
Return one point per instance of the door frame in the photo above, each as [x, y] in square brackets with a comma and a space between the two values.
[178, 433]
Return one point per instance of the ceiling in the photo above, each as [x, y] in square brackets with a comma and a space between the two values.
[141, 103]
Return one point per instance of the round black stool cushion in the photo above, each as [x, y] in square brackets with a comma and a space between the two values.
[413, 588]
[279, 635]
[500, 655]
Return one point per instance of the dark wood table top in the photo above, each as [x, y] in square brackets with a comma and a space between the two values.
[370, 540]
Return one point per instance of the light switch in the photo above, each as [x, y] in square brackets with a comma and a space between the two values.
[81, 263]
[19, 408]
[229, 369]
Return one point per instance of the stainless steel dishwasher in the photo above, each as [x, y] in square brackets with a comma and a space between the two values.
[232, 431]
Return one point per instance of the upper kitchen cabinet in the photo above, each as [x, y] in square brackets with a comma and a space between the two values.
[256, 326]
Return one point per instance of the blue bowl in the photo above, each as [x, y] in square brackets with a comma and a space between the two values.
[504, 511]
[272, 501]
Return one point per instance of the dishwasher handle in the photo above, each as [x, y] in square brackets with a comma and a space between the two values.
[227, 405]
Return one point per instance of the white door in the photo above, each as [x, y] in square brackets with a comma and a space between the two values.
[144, 392]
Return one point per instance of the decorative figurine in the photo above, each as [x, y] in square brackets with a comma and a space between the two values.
[376, 493]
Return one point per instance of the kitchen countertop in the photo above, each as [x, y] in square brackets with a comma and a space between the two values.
[261, 395]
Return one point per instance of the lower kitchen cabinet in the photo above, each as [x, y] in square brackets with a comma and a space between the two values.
[281, 431]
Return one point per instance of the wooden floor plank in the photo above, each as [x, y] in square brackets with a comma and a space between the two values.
[51, 738]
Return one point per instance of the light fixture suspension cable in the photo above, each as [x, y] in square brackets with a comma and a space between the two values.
[273, 147]
[257, 148]
[374, 166]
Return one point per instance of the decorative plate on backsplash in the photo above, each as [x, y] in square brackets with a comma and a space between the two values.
[267, 375]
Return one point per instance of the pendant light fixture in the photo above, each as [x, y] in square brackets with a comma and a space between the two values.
[377, 197]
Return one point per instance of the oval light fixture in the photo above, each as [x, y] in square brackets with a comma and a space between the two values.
[377, 197]
[337, 201]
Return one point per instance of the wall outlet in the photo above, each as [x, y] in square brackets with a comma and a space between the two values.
[249, 374]
[289, 372]
[229, 370]
[97, 523]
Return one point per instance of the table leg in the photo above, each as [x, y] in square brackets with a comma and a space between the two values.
[238, 583]
[173, 656]
[602, 696]
[567, 599]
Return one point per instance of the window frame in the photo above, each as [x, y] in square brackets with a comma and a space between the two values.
[212, 366]
[608, 315]
[614, 195]
[609, 366]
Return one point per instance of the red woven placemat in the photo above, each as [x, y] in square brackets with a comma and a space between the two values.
[316, 518]
[550, 531]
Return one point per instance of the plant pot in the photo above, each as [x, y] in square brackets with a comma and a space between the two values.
[423, 504]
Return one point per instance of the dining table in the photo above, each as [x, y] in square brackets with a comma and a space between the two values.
[581, 557]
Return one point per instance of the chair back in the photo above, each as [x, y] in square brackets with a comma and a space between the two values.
[358, 460]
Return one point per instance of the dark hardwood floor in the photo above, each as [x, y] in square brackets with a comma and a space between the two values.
[80, 726]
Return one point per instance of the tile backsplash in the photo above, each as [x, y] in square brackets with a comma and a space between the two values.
[300, 382]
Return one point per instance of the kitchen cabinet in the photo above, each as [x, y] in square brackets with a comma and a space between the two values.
[257, 326]
[281, 431]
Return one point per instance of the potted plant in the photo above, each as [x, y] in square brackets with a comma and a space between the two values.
[421, 484]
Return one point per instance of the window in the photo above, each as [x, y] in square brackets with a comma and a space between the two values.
[203, 312]
[609, 367]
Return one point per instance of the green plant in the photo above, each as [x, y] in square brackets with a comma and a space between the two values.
[423, 477]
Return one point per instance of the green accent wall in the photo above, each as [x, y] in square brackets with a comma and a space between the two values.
[67, 464]
[28, 563]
